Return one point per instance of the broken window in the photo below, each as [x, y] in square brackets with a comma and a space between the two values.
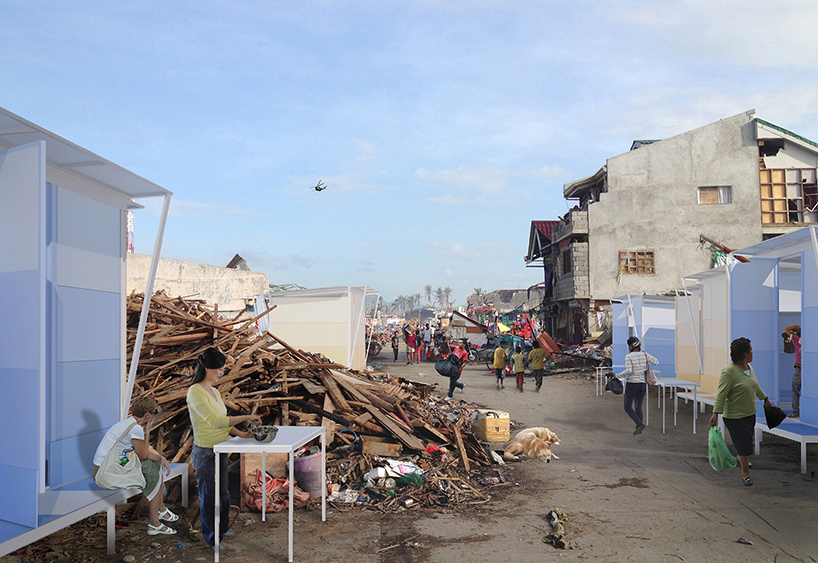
[566, 261]
[715, 194]
[788, 196]
[637, 262]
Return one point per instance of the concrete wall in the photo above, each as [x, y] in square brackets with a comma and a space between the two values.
[216, 285]
[652, 204]
[575, 284]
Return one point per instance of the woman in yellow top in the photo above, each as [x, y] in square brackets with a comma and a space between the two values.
[211, 425]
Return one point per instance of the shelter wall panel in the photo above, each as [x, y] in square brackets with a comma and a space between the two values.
[687, 363]
[684, 335]
[755, 325]
[20, 179]
[619, 333]
[76, 409]
[789, 291]
[753, 285]
[88, 325]
[659, 313]
[660, 336]
[785, 373]
[763, 366]
[337, 354]
[809, 410]
[314, 310]
[810, 275]
[20, 330]
[19, 504]
[89, 243]
[73, 458]
[19, 442]
[710, 383]
[305, 334]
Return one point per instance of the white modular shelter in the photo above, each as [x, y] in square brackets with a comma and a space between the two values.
[330, 321]
[651, 318]
[462, 327]
[755, 300]
[62, 320]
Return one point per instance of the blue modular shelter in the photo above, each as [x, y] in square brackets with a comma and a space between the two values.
[62, 320]
[755, 300]
[779, 287]
[652, 319]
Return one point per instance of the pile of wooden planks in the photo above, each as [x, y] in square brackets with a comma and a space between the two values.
[285, 386]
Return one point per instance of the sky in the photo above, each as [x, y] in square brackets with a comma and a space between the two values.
[440, 129]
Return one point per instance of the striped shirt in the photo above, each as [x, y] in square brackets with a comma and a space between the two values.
[636, 366]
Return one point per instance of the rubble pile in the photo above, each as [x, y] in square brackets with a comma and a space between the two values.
[371, 418]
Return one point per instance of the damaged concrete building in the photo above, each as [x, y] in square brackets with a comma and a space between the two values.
[636, 224]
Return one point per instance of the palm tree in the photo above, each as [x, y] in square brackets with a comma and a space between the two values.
[478, 291]
[427, 290]
[439, 295]
[447, 294]
[418, 298]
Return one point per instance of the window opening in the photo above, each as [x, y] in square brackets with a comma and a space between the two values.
[788, 196]
[637, 262]
[709, 195]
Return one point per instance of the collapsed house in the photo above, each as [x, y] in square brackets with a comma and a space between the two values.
[636, 224]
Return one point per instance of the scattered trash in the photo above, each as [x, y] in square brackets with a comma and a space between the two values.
[556, 538]
[745, 542]
[180, 545]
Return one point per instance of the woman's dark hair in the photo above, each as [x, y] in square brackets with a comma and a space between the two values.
[634, 344]
[212, 358]
[739, 348]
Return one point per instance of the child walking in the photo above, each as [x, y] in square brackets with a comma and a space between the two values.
[519, 366]
[500, 364]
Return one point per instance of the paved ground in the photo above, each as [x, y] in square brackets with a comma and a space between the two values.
[651, 498]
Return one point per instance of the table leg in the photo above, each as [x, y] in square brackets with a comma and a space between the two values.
[757, 440]
[264, 486]
[185, 496]
[803, 456]
[695, 406]
[647, 404]
[217, 516]
[292, 485]
[110, 526]
[324, 476]
[663, 405]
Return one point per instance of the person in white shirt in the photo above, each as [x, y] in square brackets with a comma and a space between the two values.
[636, 367]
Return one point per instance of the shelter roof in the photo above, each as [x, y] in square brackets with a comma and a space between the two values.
[784, 246]
[73, 160]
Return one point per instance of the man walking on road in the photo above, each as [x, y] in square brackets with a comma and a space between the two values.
[537, 359]
[427, 337]
[500, 364]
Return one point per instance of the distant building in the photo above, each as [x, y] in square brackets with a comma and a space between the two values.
[636, 224]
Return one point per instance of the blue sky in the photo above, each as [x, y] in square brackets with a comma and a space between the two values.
[441, 129]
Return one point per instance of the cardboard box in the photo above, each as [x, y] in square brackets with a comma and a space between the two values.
[491, 426]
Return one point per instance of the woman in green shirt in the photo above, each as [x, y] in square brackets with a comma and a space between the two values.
[735, 402]
[211, 426]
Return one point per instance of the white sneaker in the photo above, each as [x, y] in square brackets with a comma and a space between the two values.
[461, 389]
[448, 398]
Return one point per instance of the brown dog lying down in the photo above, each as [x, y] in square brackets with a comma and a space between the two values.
[532, 442]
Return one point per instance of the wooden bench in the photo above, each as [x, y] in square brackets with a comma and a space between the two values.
[62, 506]
[796, 431]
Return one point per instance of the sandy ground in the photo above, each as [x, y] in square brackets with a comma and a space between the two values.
[651, 497]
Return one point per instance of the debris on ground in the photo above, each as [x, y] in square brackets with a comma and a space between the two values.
[365, 413]
[557, 518]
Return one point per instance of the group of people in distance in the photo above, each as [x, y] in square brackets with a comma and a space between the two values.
[536, 357]
[418, 342]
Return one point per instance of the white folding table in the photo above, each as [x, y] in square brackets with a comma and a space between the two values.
[288, 440]
[674, 383]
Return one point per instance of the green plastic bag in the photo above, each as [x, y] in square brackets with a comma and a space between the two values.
[720, 456]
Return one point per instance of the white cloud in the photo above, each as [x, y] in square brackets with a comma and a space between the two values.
[366, 151]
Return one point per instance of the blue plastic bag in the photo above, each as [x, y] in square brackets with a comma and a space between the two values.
[720, 456]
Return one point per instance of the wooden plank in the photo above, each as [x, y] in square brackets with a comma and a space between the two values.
[363, 418]
[332, 388]
[461, 448]
[387, 422]
[312, 388]
[328, 423]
